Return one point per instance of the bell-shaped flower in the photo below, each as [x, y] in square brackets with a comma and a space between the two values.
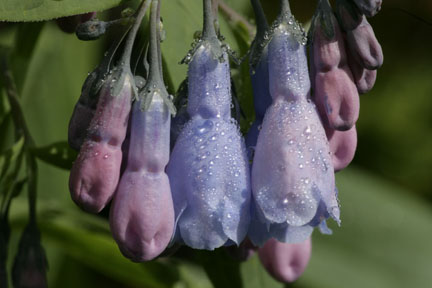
[292, 174]
[208, 169]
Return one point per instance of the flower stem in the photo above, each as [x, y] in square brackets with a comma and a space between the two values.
[260, 18]
[285, 7]
[154, 49]
[134, 30]
[209, 27]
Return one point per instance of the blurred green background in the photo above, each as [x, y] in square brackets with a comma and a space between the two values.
[385, 194]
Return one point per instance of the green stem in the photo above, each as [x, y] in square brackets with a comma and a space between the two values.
[285, 7]
[260, 19]
[209, 27]
[154, 49]
[134, 30]
[22, 130]
[32, 185]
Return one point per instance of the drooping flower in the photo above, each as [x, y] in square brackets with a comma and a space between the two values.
[292, 175]
[142, 213]
[208, 169]
[95, 173]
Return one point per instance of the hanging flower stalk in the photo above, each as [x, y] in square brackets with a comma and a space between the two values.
[292, 175]
[208, 169]
[95, 173]
[142, 213]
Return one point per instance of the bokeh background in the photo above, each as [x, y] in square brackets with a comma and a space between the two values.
[385, 194]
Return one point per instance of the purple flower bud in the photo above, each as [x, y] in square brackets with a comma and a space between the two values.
[70, 23]
[364, 46]
[343, 145]
[348, 15]
[30, 265]
[285, 262]
[292, 174]
[208, 169]
[142, 213]
[85, 108]
[363, 78]
[335, 93]
[95, 173]
[369, 7]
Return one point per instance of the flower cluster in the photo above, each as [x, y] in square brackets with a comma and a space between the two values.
[189, 181]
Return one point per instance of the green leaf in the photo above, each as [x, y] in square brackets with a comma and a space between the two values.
[58, 154]
[384, 239]
[40, 10]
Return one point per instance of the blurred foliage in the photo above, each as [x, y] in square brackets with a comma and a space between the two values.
[385, 194]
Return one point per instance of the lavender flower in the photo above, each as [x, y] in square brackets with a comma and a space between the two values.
[292, 174]
[208, 169]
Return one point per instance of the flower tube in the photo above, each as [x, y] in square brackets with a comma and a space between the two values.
[293, 182]
[208, 169]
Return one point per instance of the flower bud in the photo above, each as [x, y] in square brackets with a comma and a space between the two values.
[95, 173]
[343, 145]
[69, 24]
[85, 108]
[142, 213]
[364, 46]
[348, 15]
[29, 269]
[363, 78]
[335, 93]
[369, 7]
[285, 262]
[91, 30]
